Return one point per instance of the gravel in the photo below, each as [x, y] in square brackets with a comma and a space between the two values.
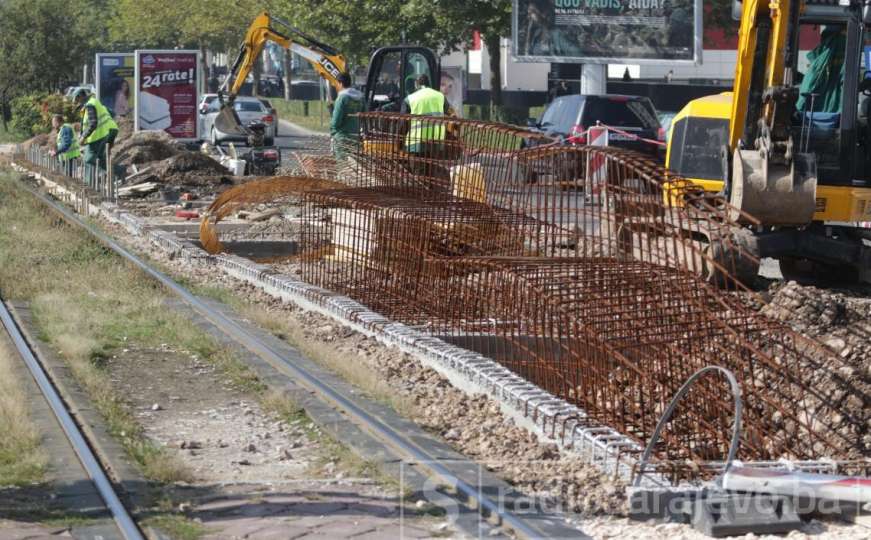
[841, 321]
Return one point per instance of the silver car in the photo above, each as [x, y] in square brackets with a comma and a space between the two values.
[248, 109]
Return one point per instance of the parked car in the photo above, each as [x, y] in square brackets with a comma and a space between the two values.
[71, 91]
[248, 109]
[274, 113]
[568, 118]
[665, 119]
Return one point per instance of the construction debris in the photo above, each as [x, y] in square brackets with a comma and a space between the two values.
[259, 216]
[138, 190]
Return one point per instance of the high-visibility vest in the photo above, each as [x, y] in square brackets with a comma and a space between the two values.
[104, 121]
[425, 102]
[73, 151]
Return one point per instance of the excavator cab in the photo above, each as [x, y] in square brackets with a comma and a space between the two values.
[392, 74]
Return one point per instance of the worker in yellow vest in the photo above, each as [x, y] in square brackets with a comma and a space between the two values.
[66, 146]
[425, 101]
[98, 129]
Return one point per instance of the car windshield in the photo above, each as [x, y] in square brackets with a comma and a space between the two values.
[560, 115]
[622, 113]
[248, 106]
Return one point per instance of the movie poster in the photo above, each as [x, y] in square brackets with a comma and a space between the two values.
[608, 31]
[115, 81]
[167, 92]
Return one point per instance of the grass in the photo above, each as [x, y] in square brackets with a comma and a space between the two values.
[87, 303]
[9, 137]
[22, 460]
[306, 114]
[359, 375]
[176, 527]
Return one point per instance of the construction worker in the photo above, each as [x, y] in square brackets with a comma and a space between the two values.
[344, 127]
[66, 146]
[425, 101]
[98, 129]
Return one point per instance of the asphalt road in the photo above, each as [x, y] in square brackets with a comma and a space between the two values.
[292, 138]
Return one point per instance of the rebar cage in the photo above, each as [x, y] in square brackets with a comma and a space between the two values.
[590, 271]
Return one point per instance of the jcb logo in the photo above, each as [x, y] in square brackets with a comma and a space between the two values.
[331, 67]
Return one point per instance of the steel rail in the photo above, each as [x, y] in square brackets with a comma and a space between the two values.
[89, 461]
[383, 432]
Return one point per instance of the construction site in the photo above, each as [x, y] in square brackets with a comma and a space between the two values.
[578, 318]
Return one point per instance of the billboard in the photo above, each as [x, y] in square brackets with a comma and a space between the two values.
[115, 79]
[608, 31]
[167, 92]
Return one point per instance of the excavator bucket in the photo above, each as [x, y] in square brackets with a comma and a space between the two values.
[227, 121]
[772, 193]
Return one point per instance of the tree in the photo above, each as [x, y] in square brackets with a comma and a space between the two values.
[44, 43]
[353, 27]
[448, 24]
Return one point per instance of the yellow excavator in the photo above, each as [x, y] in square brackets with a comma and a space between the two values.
[392, 70]
[791, 144]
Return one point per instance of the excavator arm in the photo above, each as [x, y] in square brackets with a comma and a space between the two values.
[772, 177]
[326, 61]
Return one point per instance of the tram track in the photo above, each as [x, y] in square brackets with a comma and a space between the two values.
[96, 471]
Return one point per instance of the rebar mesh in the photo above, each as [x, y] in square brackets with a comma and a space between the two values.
[587, 270]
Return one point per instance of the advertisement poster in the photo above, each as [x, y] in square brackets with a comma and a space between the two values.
[452, 86]
[116, 79]
[608, 31]
[167, 84]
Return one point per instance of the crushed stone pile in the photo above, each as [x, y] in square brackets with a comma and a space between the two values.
[840, 320]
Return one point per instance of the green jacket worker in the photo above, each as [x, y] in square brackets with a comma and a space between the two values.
[344, 126]
[98, 128]
[66, 146]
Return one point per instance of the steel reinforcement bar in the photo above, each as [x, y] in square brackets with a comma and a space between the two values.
[589, 271]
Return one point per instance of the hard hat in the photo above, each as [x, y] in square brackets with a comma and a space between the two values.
[80, 93]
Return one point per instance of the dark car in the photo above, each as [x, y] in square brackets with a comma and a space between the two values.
[568, 118]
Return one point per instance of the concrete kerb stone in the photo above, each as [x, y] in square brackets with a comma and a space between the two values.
[528, 405]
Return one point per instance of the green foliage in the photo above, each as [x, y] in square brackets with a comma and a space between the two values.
[43, 43]
[312, 115]
[206, 24]
[31, 113]
[354, 28]
[26, 115]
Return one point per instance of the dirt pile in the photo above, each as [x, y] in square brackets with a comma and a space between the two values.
[145, 147]
[162, 159]
[43, 139]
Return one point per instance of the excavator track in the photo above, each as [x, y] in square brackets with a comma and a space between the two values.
[717, 257]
